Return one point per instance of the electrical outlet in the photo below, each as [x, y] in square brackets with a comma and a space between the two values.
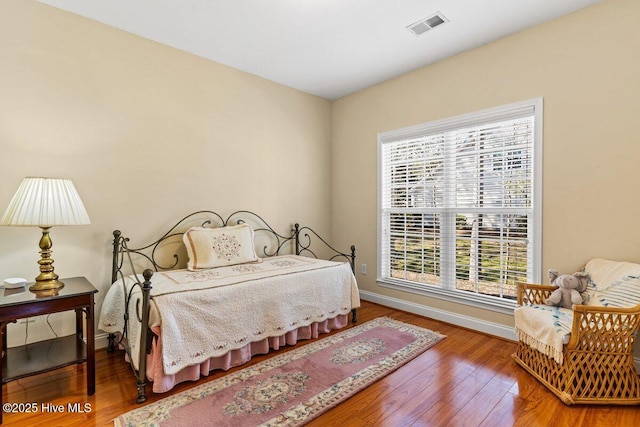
[363, 269]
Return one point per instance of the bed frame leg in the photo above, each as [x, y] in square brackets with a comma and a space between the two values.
[142, 397]
[144, 335]
[111, 347]
[353, 316]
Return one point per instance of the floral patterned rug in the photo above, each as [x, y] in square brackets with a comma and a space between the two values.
[294, 387]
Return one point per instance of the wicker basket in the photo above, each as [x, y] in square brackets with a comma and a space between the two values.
[598, 360]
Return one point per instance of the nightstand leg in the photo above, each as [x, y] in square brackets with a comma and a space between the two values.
[3, 332]
[91, 350]
[79, 329]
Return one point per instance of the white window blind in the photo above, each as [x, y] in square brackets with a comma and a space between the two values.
[458, 204]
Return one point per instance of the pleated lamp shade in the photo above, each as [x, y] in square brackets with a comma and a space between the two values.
[45, 202]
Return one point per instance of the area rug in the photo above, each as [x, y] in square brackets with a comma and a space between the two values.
[292, 388]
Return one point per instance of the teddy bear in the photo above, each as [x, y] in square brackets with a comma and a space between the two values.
[570, 287]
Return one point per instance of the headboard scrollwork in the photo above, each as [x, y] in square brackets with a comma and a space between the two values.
[157, 255]
[304, 237]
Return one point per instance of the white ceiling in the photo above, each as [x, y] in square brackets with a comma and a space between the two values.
[328, 48]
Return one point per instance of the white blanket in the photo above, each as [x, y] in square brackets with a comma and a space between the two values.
[207, 313]
[545, 328]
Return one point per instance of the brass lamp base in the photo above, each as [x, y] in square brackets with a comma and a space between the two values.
[47, 279]
[46, 285]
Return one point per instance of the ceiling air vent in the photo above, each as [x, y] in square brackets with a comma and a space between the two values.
[422, 26]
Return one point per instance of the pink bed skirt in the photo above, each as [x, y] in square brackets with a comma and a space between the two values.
[163, 383]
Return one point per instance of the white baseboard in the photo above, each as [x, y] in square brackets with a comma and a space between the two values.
[476, 324]
[479, 325]
[102, 340]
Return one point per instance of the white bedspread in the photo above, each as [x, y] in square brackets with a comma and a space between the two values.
[207, 313]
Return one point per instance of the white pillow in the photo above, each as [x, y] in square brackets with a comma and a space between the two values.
[218, 247]
[605, 273]
[613, 283]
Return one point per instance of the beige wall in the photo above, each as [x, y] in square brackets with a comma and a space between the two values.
[586, 66]
[147, 133]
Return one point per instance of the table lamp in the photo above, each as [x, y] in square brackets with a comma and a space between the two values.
[44, 203]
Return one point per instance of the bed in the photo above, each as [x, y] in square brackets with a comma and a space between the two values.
[215, 291]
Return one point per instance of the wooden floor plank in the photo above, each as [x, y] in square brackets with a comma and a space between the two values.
[467, 379]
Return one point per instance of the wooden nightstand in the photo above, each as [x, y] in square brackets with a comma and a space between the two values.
[44, 356]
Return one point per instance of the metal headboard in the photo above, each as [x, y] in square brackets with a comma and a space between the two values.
[274, 242]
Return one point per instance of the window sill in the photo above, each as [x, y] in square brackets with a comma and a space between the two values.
[459, 297]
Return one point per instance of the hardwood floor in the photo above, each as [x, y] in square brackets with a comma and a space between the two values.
[468, 379]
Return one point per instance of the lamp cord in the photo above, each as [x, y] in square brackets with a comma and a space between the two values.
[26, 329]
[51, 327]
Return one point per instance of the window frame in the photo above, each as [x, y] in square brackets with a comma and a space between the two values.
[532, 106]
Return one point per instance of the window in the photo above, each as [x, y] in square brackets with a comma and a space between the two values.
[459, 205]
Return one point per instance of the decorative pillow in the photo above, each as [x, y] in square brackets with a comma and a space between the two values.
[605, 273]
[613, 283]
[217, 247]
[622, 293]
